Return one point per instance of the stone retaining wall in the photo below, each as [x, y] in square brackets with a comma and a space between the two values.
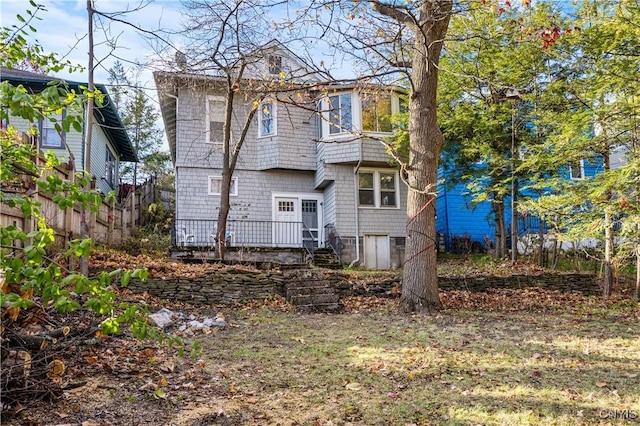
[225, 287]
[231, 285]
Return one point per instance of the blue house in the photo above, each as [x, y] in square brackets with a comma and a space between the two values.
[463, 225]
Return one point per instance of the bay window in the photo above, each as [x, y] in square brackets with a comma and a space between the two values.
[376, 112]
[340, 114]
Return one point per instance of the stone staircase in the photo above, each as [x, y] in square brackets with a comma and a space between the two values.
[310, 291]
[326, 258]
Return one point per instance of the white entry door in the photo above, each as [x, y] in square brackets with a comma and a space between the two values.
[287, 229]
[377, 253]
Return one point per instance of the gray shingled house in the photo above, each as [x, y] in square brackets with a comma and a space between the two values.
[310, 175]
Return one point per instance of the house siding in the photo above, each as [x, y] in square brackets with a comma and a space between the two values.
[290, 148]
[75, 143]
[371, 221]
[457, 216]
[254, 199]
[99, 146]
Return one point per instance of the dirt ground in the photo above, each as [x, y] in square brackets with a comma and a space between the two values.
[527, 357]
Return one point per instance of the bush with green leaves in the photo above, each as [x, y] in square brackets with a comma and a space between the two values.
[29, 275]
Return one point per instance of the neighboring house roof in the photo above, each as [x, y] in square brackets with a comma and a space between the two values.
[107, 116]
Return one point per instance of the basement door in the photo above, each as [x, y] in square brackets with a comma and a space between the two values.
[377, 252]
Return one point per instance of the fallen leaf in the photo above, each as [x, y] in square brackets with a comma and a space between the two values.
[602, 384]
[159, 394]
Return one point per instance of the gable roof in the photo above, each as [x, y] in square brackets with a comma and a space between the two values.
[107, 116]
[310, 74]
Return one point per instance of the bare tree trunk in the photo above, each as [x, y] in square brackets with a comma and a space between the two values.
[607, 286]
[223, 214]
[497, 205]
[637, 291]
[85, 221]
[541, 258]
[420, 276]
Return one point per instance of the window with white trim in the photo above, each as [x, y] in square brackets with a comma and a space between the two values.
[215, 186]
[366, 111]
[576, 169]
[378, 188]
[110, 169]
[267, 123]
[50, 138]
[215, 119]
[340, 113]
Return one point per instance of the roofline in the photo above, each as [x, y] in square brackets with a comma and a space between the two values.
[107, 114]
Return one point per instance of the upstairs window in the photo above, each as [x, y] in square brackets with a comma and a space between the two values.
[49, 136]
[376, 112]
[275, 64]
[576, 170]
[215, 119]
[340, 114]
[267, 119]
[378, 188]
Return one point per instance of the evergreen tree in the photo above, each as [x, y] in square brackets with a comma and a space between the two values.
[495, 70]
[140, 119]
[595, 121]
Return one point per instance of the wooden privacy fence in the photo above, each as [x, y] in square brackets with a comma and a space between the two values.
[110, 225]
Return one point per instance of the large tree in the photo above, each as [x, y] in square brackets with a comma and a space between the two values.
[140, 118]
[400, 42]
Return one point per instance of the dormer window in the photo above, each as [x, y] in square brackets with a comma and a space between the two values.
[275, 64]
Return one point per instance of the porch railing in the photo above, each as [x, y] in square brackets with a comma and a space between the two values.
[198, 233]
[333, 240]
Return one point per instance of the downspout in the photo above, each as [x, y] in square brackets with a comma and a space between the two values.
[175, 167]
[355, 200]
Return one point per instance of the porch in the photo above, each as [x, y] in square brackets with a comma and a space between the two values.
[250, 241]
